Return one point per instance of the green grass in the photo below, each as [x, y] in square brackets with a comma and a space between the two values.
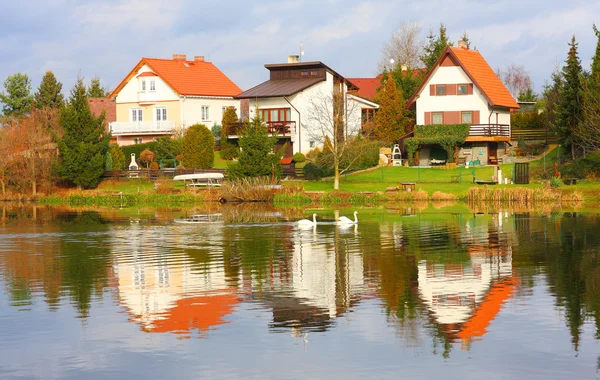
[219, 162]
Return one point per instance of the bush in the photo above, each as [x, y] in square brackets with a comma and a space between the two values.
[154, 165]
[299, 157]
[118, 157]
[526, 120]
[556, 182]
[146, 157]
[229, 150]
[137, 149]
[312, 172]
[198, 147]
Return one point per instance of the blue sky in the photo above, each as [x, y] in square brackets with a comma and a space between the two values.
[106, 38]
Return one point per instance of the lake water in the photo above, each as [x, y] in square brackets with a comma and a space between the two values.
[244, 293]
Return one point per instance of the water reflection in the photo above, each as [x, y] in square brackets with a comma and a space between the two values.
[441, 280]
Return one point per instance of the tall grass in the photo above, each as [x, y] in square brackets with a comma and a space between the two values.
[258, 189]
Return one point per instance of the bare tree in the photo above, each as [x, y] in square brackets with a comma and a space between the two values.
[587, 131]
[516, 79]
[405, 47]
[331, 121]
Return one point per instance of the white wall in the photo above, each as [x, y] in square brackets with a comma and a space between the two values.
[191, 110]
[130, 92]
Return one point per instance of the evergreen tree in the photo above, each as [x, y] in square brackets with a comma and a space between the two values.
[595, 72]
[198, 147]
[228, 150]
[527, 96]
[569, 110]
[465, 38]
[96, 90]
[17, 99]
[49, 93]
[84, 144]
[256, 159]
[108, 161]
[118, 157]
[435, 46]
[587, 134]
[390, 120]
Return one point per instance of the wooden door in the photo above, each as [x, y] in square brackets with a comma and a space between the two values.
[493, 153]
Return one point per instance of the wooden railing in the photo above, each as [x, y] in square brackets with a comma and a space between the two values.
[279, 128]
[489, 130]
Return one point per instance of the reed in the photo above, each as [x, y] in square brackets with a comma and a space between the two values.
[441, 196]
[259, 189]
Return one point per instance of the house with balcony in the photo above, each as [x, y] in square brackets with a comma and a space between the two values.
[286, 103]
[162, 97]
[462, 88]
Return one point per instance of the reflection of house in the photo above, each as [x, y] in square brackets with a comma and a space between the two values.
[465, 297]
[160, 96]
[288, 100]
[461, 88]
[165, 292]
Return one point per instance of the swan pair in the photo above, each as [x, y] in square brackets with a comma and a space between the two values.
[342, 220]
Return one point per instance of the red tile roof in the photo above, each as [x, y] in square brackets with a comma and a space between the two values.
[478, 70]
[197, 78]
[147, 74]
[97, 105]
[367, 87]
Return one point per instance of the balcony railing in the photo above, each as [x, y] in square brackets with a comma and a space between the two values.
[142, 127]
[277, 128]
[489, 130]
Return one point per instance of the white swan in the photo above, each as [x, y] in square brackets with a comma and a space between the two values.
[345, 220]
[306, 222]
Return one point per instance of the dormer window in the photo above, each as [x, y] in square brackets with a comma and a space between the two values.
[143, 86]
[153, 85]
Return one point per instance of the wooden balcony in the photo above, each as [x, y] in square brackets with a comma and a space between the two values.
[489, 132]
[275, 128]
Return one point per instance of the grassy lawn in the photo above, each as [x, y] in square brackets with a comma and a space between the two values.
[219, 162]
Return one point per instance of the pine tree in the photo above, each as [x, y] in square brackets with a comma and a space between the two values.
[96, 90]
[390, 120]
[465, 38]
[49, 93]
[198, 147]
[569, 110]
[84, 144]
[18, 99]
[435, 46]
[228, 150]
[588, 132]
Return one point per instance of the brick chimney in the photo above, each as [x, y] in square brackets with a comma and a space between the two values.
[404, 68]
[179, 57]
[199, 58]
[293, 58]
[463, 45]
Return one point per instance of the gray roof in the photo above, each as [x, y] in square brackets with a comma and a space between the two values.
[276, 88]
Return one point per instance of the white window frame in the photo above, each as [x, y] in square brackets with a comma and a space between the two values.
[205, 113]
[142, 86]
[138, 140]
[433, 114]
[152, 86]
[160, 113]
[462, 119]
[136, 115]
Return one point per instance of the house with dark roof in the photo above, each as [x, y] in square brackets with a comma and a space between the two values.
[164, 96]
[286, 103]
[462, 88]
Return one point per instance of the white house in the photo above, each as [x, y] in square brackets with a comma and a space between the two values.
[461, 88]
[286, 103]
[163, 96]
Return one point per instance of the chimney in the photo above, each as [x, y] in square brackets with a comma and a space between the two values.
[404, 68]
[179, 57]
[462, 44]
[293, 58]
[199, 58]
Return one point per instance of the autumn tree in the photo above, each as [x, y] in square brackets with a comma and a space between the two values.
[228, 150]
[146, 157]
[257, 157]
[390, 120]
[96, 90]
[17, 99]
[7, 142]
[569, 110]
[404, 47]
[198, 147]
[49, 93]
[435, 46]
[84, 144]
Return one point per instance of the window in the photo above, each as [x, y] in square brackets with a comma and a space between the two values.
[462, 89]
[143, 86]
[136, 115]
[276, 114]
[467, 117]
[161, 113]
[437, 118]
[153, 85]
[440, 89]
[205, 112]
[137, 140]
[314, 73]
[311, 143]
[304, 73]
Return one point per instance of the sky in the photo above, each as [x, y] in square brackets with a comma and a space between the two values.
[106, 38]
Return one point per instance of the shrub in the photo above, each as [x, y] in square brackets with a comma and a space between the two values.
[146, 157]
[556, 182]
[228, 150]
[526, 120]
[137, 149]
[313, 172]
[108, 161]
[313, 153]
[118, 157]
[198, 147]
[154, 165]
[299, 157]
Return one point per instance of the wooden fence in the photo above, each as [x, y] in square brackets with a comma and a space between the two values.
[535, 134]
[155, 174]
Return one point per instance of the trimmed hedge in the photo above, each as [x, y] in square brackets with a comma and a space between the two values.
[448, 136]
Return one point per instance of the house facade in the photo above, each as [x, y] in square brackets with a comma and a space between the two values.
[162, 97]
[288, 100]
[461, 88]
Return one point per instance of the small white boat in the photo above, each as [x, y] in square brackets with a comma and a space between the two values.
[201, 179]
